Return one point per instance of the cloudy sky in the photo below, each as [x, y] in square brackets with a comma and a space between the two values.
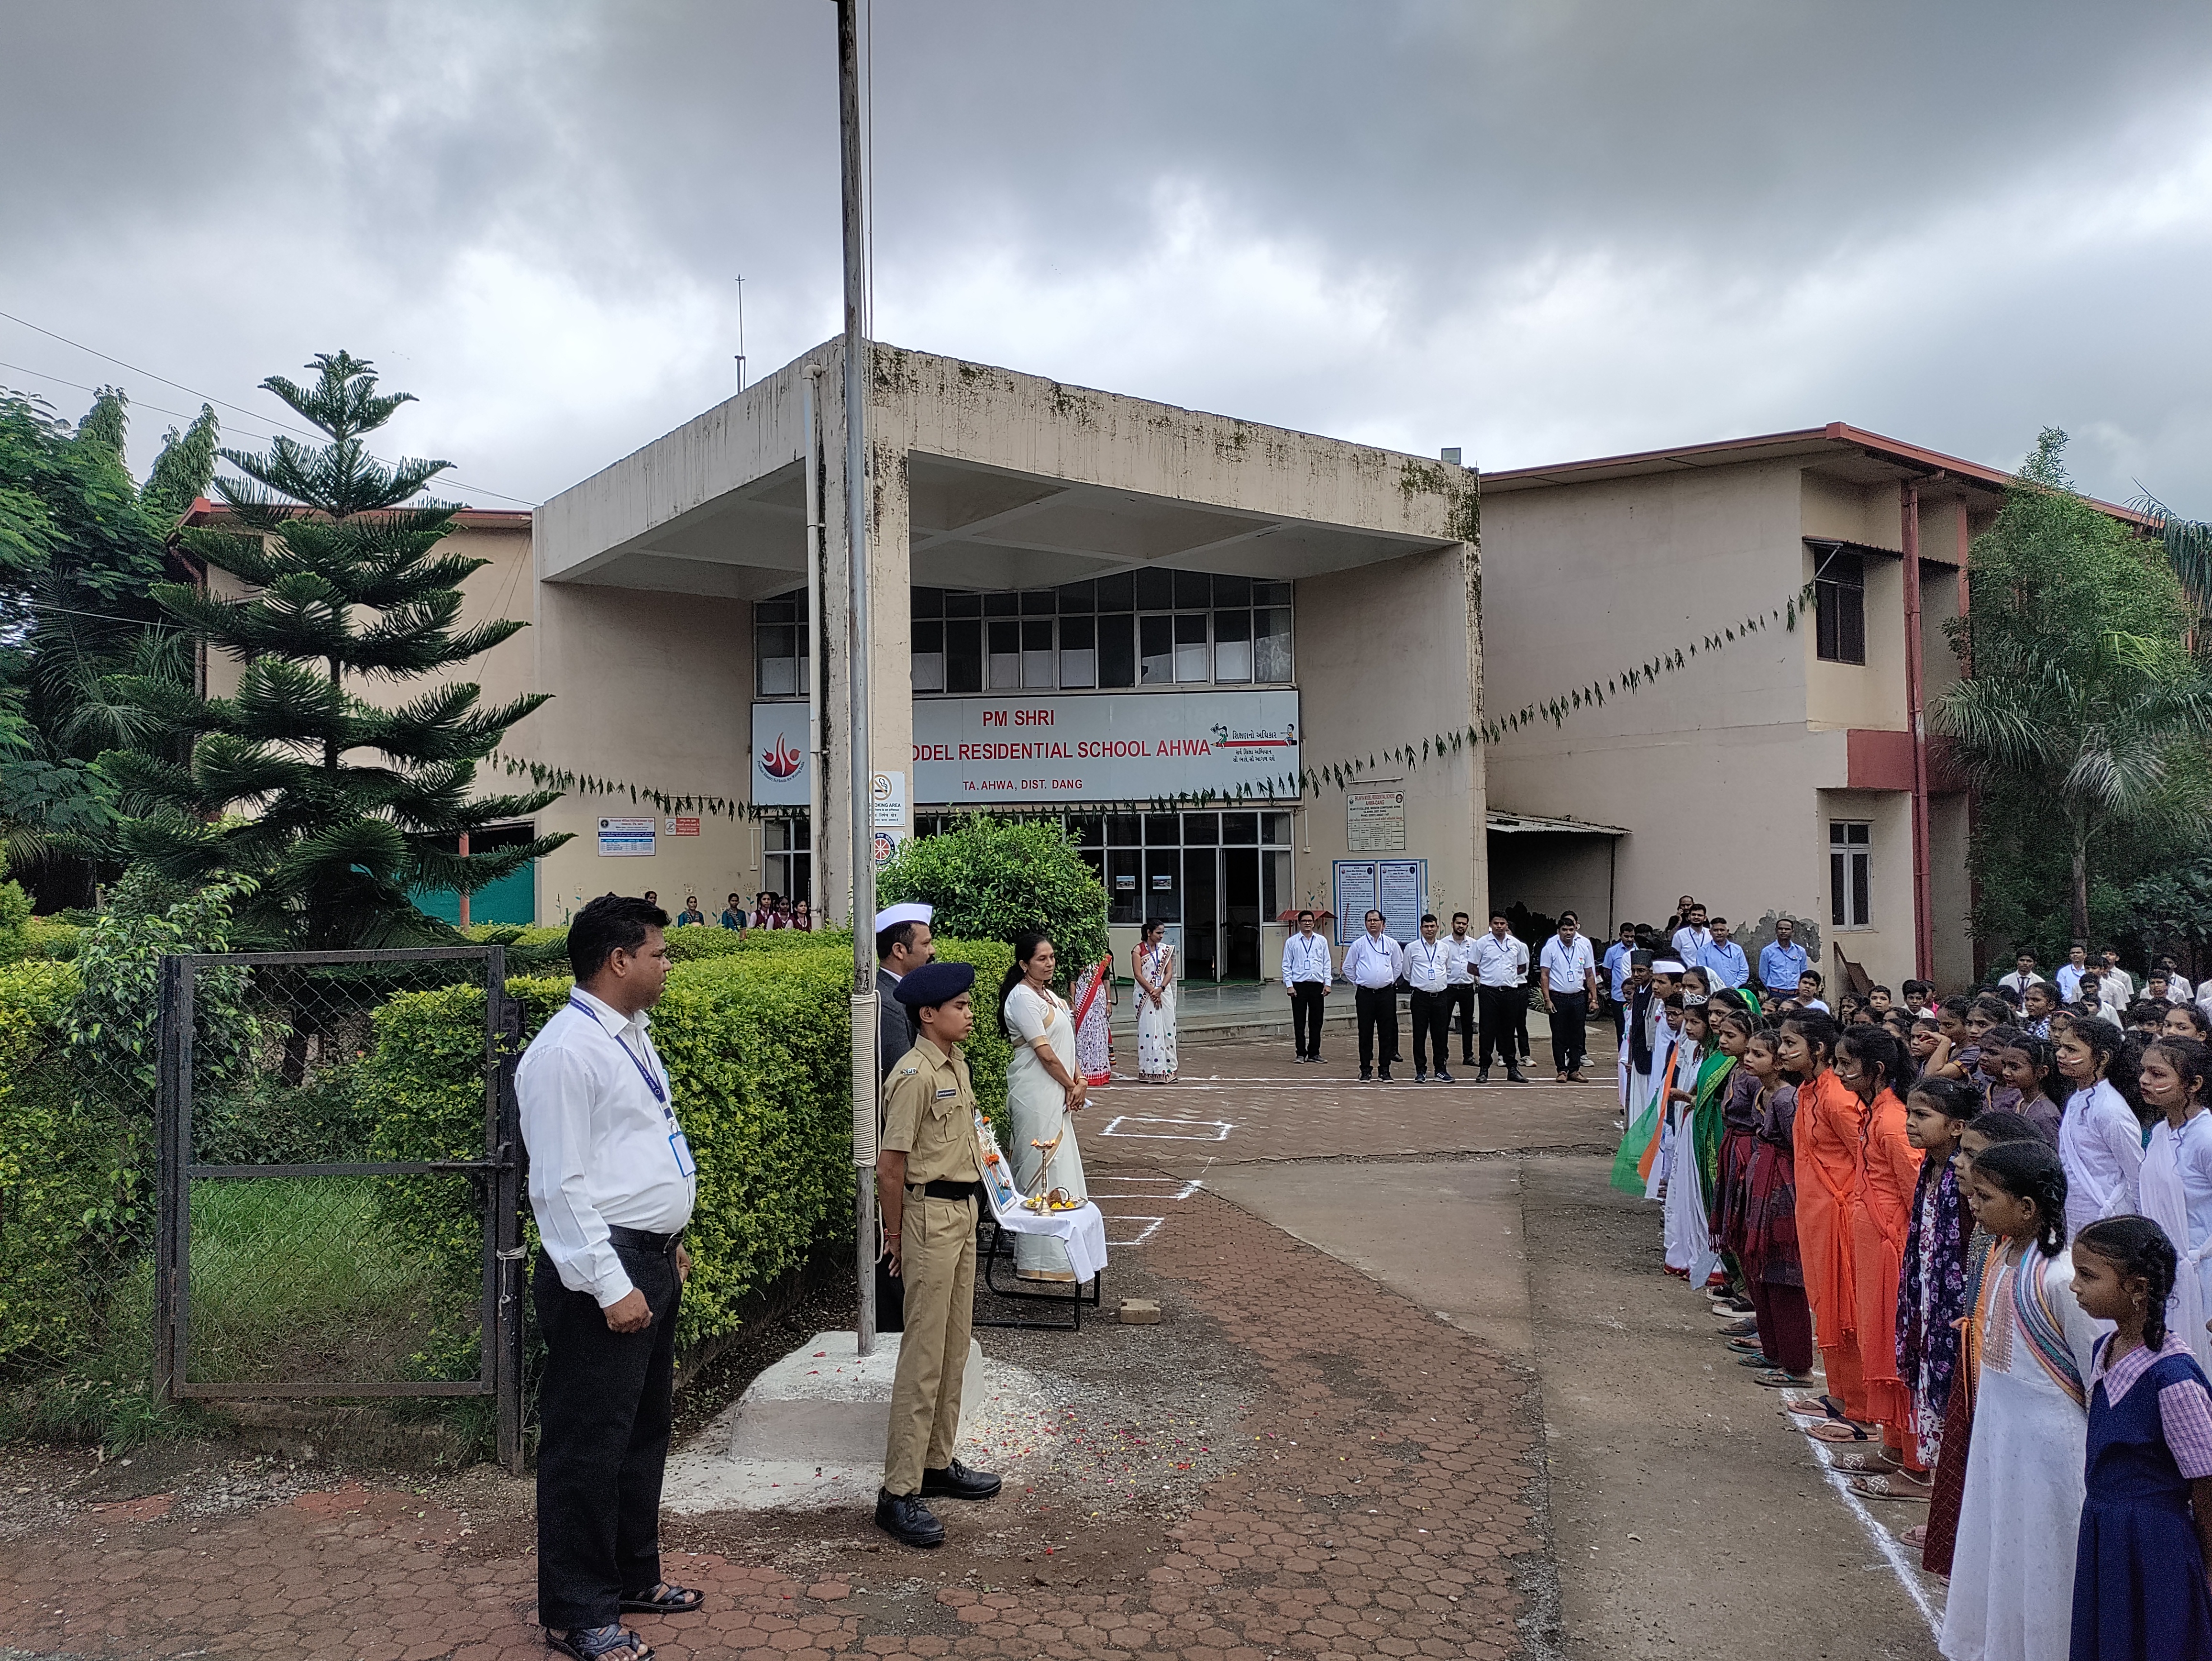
[1539, 230]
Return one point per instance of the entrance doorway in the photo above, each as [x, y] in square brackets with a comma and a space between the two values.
[1224, 876]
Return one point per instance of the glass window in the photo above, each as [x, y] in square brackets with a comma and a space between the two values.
[928, 603]
[1232, 646]
[1271, 593]
[1193, 662]
[964, 657]
[1124, 831]
[1839, 596]
[1193, 589]
[1162, 830]
[1201, 830]
[1125, 886]
[1240, 830]
[1232, 591]
[1036, 653]
[1118, 594]
[1156, 648]
[1117, 650]
[1005, 655]
[1155, 590]
[1088, 829]
[1275, 829]
[963, 603]
[1004, 604]
[1078, 659]
[1078, 597]
[1851, 873]
[928, 657]
[1039, 602]
[777, 665]
[1271, 643]
[787, 866]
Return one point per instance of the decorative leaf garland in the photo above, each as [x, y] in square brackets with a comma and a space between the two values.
[1285, 786]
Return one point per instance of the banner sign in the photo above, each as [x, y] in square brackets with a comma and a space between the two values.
[779, 757]
[1396, 888]
[1375, 822]
[630, 838]
[1107, 746]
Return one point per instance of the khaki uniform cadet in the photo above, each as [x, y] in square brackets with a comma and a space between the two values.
[929, 1116]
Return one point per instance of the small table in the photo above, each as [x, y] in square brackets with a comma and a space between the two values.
[1082, 1231]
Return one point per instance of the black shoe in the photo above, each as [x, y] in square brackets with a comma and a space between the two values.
[1420, 1078]
[1483, 1077]
[1444, 1077]
[956, 1481]
[1366, 1076]
[906, 1520]
[1387, 1079]
[1514, 1075]
[1467, 1060]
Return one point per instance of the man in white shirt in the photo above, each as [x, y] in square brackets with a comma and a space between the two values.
[1567, 987]
[1373, 964]
[2069, 972]
[2178, 988]
[1459, 985]
[1306, 977]
[612, 1185]
[2116, 975]
[1501, 964]
[1692, 938]
[2023, 975]
[1428, 968]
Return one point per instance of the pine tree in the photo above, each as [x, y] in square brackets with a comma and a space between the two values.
[338, 808]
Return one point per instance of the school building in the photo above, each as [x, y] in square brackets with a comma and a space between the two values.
[1144, 619]
[1787, 772]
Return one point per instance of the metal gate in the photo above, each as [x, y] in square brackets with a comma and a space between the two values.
[289, 1262]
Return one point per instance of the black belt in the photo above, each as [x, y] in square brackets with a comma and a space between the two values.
[639, 1239]
[943, 1189]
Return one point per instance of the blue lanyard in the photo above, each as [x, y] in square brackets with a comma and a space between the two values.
[660, 1091]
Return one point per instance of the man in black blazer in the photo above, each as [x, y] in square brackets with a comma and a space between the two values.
[902, 946]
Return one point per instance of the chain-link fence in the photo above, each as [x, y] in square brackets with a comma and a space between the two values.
[330, 1225]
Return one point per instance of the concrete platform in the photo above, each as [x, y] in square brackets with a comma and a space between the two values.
[808, 1434]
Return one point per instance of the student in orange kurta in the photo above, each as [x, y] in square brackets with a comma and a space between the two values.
[1825, 1139]
[1871, 1064]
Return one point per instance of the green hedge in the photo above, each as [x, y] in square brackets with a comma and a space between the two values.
[757, 1042]
[51, 938]
[58, 1148]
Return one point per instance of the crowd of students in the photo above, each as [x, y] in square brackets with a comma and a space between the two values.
[1988, 1217]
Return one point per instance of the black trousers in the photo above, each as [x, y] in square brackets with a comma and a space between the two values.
[1459, 1008]
[1432, 1015]
[1305, 1015]
[1497, 1003]
[605, 1407]
[1516, 1013]
[1377, 1008]
[1570, 1029]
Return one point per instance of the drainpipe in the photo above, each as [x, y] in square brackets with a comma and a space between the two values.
[810, 384]
[1924, 922]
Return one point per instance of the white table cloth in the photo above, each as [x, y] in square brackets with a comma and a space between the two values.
[1082, 1231]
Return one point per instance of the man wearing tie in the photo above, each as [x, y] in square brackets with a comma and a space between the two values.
[1500, 962]
[612, 1185]
[1373, 964]
[1428, 967]
[1306, 977]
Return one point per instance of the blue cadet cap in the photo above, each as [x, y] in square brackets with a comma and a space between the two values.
[934, 983]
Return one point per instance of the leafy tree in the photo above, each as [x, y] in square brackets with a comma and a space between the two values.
[336, 807]
[991, 878]
[81, 548]
[2085, 712]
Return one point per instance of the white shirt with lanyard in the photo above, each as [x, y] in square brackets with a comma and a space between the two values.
[1428, 966]
[605, 1148]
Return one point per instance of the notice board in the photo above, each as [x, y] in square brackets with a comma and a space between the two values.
[1397, 888]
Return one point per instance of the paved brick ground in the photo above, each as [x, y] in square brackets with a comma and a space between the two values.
[1383, 1507]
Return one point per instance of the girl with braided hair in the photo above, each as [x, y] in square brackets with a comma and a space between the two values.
[2176, 1180]
[2146, 1529]
[2029, 1345]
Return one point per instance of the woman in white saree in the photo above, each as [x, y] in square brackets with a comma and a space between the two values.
[1155, 970]
[1044, 1089]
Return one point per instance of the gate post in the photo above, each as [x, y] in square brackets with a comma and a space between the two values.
[504, 1321]
[167, 1180]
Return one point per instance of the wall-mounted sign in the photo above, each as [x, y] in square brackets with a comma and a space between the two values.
[888, 792]
[780, 760]
[1125, 882]
[1162, 879]
[1375, 822]
[631, 838]
[1397, 888]
[886, 844]
[681, 824]
[1106, 746]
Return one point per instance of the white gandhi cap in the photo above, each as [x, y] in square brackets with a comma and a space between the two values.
[892, 916]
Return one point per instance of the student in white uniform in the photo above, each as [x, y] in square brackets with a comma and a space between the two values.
[1307, 975]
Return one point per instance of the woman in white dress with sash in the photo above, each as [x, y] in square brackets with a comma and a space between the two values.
[1155, 971]
[1044, 1089]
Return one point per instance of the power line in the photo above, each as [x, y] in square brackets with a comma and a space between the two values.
[301, 432]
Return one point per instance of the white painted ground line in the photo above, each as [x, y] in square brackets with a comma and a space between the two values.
[1218, 1128]
[1884, 1540]
[1151, 1226]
